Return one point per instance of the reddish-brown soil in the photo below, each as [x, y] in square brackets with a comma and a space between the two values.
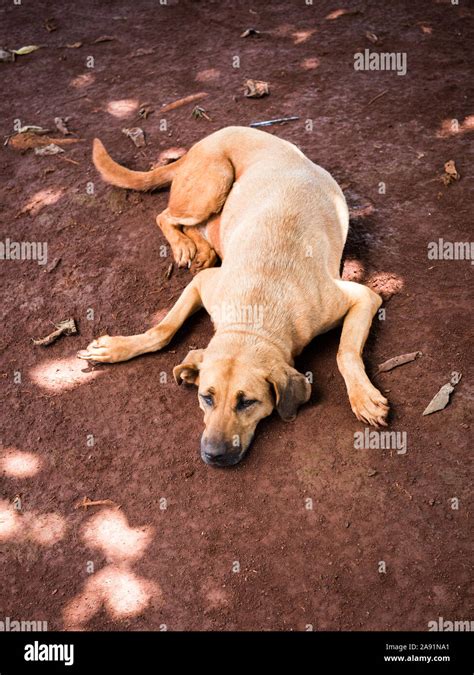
[169, 556]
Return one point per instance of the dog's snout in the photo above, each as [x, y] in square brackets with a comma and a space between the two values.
[219, 452]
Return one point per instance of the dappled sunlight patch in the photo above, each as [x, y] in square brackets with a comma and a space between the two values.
[44, 529]
[59, 375]
[353, 270]
[109, 532]
[122, 108]
[208, 75]
[83, 80]
[385, 284]
[10, 523]
[18, 463]
[123, 593]
[452, 127]
[310, 63]
[42, 198]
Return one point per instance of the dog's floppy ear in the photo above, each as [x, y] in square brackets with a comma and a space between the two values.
[292, 389]
[188, 370]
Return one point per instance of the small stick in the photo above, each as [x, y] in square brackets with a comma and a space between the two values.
[68, 159]
[372, 100]
[169, 271]
[183, 101]
[86, 502]
[70, 100]
[267, 123]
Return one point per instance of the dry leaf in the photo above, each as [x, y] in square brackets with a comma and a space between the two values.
[397, 361]
[441, 400]
[141, 51]
[51, 149]
[450, 173]
[66, 327]
[255, 88]
[50, 25]
[26, 140]
[371, 37]
[136, 135]
[145, 110]
[103, 38]
[61, 125]
[341, 12]
[6, 56]
[74, 45]
[25, 50]
[250, 32]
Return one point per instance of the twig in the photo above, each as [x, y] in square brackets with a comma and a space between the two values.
[183, 101]
[372, 100]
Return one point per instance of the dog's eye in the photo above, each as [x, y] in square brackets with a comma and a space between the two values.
[245, 403]
[207, 399]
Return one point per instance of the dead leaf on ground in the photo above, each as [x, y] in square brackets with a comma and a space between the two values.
[25, 50]
[342, 12]
[26, 140]
[6, 56]
[450, 173]
[145, 110]
[371, 37]
[250, 32]
[61, 125]
[104, 38]
[142, 51]
[426, 29]
[256, 88]
[200, 113]
[396, 361]
[441, 399]
[74, 45]
[51, 25]
[66, 327]
[136, 135]
[51, 149]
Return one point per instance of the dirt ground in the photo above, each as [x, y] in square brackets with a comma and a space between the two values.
[296, 536]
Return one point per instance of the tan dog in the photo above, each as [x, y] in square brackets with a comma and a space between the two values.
[279, 223]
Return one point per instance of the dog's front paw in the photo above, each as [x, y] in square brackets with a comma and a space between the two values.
[108, 349]
[369, 406]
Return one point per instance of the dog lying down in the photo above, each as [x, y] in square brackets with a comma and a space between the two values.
[279, 223]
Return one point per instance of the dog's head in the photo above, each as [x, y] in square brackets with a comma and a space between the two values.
[235, 393]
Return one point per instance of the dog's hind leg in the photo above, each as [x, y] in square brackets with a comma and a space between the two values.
[112, 349]
[198, 192]
[367, 403]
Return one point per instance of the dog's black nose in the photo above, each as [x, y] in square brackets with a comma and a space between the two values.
[219, 453]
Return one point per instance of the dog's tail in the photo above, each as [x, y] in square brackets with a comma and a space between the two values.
[118, 175]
